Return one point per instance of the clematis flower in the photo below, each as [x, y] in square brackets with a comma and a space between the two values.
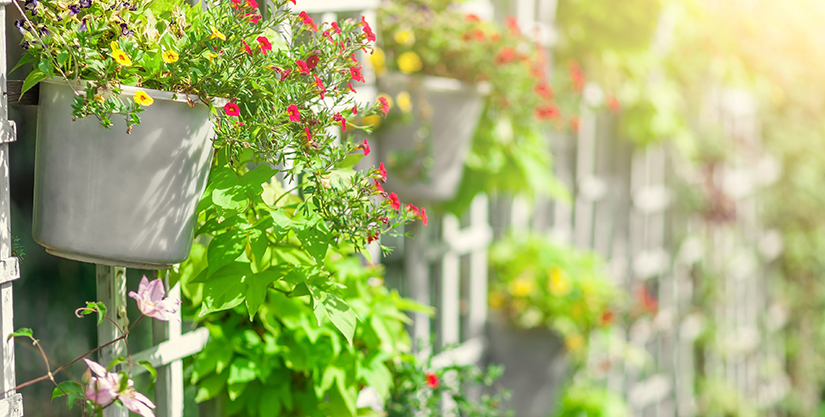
[294, 114]
[382, 171]
[102, 388]
[232, 109]
[432, 380]
[367, 29]
[394, 202]
[366, 147]
[356, 73]
[217, 34]
[151, 301]
[303, 66]
[143, 99]
[385, 105]
[338, 117]
[136, 402]
[170, 56]
[264, 43]
[308, 21]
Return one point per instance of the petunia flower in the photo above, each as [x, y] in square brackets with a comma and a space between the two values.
[378, 187]
[312, 61]
[232, 109]
[252, 3]
[125, 31]
[356, 73]
[385, 105]
[217, 34]
[382, 171]
[308, 133]
[143, 99]
[424, 216]
[264, 43]
[253, 18]
[308, 21]
[85, 4]
[394, 202]
[236, 4]
[119, 55]
[367, 29]
[293, 113]
[415, 210]
[371, 237]
[432, 380]
[336, 28]
[338, 117]
[613, 104]
[355, 109]
[170, 56]
[303, 66]
[547, 112]
[320, 84]
[245, 46]
[366, 147]
[151, 301]
[349, 85]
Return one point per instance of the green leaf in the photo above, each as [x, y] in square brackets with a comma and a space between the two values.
[211, 386]
[226, 288]
[24, 332]
[242, 370]
[32, 79]
[224, 249]
[253, 179]
[149, 368]
[316, 239]
[341, 315]
[350, 161]
[72, 390]
[258, 283]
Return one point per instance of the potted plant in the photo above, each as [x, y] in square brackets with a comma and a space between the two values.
[427, 143]
[165, 78]
[546, 299]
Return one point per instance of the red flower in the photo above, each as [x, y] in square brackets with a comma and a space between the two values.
[424, 216]
[293, 2]
[355, 110]
[547, 112]
[303, 66]
[367, 29]
[647, 300]
[308, 21]
[512, 24]
[432, 380]
[575, 124]
[366, 148]
[320, 84]
[606, 318]
[382, 171]
[232, 109]
[309, 135]
[507, 54]
[350, 88]
[416, 212]
[253, 18]
[252, 3]
[394, 202]
[577, 76]
[356, 73]
[236, 4]
[613, 104]
[371, 237]
[294, 114]
[543, 90]
[312, 61]
[248, 50]
[340, 118]
[379, 187]
[264, 43]
[335, 27]
[472, 18]
[385, 105]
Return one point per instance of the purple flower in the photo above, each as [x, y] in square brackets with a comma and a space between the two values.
[124, 30]
[151, 302]
[83, 26]
[85, 4]
[135, 401]
[44, 32]
[31, 5]
[21, 26]
[74, 9]
[102, 389]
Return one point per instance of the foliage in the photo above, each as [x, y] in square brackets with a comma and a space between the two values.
[541, 283]
[590, 400]
[419, 389]
[291, 360]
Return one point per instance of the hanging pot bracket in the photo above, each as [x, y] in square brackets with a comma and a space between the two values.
[8, 131]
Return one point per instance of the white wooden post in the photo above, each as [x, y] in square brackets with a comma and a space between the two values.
[169, 385]
[111, 290]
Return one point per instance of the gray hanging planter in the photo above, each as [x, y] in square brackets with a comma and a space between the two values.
[108, 197]
[425, 158]
[535, 366]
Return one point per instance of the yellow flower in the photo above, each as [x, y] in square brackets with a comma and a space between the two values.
[574, 342]
[405, 37]
[378, 61]
[404, 101]
[120, 56]
[100, 98]
[522, 286]
[409, 62]
[170, 56]
[559, 284]
[211, 56]
[217, 34]
[496, 301]
[143, 99]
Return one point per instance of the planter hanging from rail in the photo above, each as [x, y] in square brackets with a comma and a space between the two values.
[425, 156]
[108, 197]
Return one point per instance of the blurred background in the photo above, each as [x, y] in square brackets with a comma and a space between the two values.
[652, 248]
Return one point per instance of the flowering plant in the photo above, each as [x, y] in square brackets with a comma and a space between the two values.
[435, 38]
[539, 282]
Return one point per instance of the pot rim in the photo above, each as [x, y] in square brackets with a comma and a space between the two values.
[131, 90]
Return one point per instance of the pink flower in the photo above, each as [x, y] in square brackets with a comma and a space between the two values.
[367, 29]
[253, 18]
[303, 66]
[245, 46]
[135, 401]
[613, 104]
[320, 84]
[385, 105]
[293, 2]
[338, 117]
[309, 135]
[356, 73]
[379, 187]
[350, 88]
[101, 389]
[308, 21]
[294, 114]
[415, 211]
[366, 147]
[424, 215]
[264, 43]
[312, 61]
[336, 28]
[432, 380]
[232, 109]
[355, 110]
[394, 202]
[151, 301]
[382, 171]
[236, 4]
[252, 3]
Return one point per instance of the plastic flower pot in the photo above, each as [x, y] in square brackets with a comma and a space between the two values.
[107, 197]
[425, 158]
[535, 366]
